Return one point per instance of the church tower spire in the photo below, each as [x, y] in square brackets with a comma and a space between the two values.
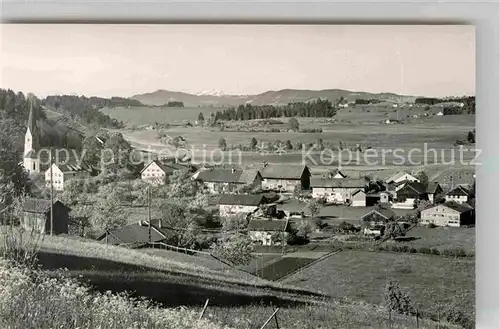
[31, 136]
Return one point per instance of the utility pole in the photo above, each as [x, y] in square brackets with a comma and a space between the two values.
[149, 213]
[51, 196]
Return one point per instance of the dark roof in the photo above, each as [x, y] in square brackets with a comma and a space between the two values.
[417, 187]
[241, 199]
[168, 167]
[283, 171]
[32, 121]
[383, 210]
[72, 166]
[267, 225]
[221, 175]
[432, 187]
[137, 233]
[460, 191]
[338, 182]
[39, 206]
[358, 191]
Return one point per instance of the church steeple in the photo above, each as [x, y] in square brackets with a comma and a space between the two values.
[31, 138]
[32, 119]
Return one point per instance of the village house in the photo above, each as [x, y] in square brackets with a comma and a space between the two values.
[64, 172]
[285, 177]
[374, 221]
[433, 191]
[339, 190]
[268, 232]
[157, 171]
[400, 177]
[460, 194]
[222, 180]
[36, 216]
[133, 235]
[408, 194]
[232, 204]
[448, 214]
[337, 174]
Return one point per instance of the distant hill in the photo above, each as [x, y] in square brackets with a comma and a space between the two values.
[280, 97]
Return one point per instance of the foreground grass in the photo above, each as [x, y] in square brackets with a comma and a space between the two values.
[435, 284]
[31, 300]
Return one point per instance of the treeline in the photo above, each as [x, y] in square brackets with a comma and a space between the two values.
[174, 104]
[318, 108]
[469, 102]
[86, 110]
[360, 101]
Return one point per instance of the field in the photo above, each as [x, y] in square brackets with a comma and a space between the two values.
[362, 275]
[443, 238]
[149, 115]
[172, 281]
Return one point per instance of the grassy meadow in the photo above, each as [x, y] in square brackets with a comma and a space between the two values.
[432, 281]
[443, 238]
[83, 284]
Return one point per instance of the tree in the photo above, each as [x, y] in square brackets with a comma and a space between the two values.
[201, 118]
[11, 167]
[116, 153]
[471, 136]
[294, 124]
[423, 178]
[288, 145]
[237, 249]
[108, 214]
[319, 144]
[398, 300]
[393, 230]
[235, 222]
[222, 144]
[304, 229]
[253, 143]
[313, 208]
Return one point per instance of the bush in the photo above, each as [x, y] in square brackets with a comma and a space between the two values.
[398, 300]
[435, 251]
[432, 225]
[424, 250]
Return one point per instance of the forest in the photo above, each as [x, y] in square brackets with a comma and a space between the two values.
[86, 110]
[317, 108]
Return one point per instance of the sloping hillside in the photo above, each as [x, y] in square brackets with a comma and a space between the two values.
[285, 96]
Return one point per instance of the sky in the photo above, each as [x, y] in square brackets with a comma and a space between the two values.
[124, 60]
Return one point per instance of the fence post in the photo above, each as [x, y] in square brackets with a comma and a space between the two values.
[417, 319]
[270, 318]
[276, 319]
[390, 319]
[204, 309]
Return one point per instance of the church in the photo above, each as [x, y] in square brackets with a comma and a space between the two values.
[65, 164]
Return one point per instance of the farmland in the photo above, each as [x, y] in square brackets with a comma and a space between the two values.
[362, 275]
[443, 238]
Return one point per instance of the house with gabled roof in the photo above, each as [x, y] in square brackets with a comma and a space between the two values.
[374, 221]
[459, 194]
[433, 191]
[286, 178]
[37, 218]
[408, 194]
[225, 180]
[62, 172]
[401, 177]
[157, 171]
[232, 204]
[134, 235]
[448, 214]
[268, 231]
[337, 190]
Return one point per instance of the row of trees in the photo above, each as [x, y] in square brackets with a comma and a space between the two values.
[86, 110]
[318, 108]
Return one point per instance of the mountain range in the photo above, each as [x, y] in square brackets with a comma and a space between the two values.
[279, 97]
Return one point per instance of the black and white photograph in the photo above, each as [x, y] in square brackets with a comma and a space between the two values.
[232, 176]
